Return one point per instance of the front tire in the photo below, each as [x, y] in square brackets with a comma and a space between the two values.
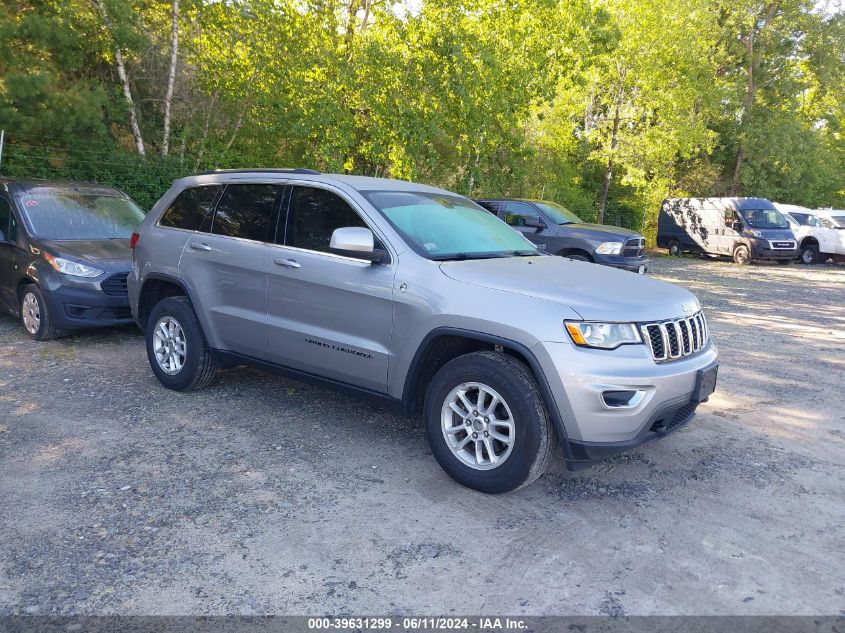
[35, 315]
[487, 424]
[810, 254]
[742, 255]
[176, 346]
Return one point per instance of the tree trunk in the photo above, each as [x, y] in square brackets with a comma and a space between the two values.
[124, 80]
[608, 172]
[754, 61]
[171, 77]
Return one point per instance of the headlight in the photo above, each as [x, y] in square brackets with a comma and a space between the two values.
[67, 267]
[603, 335]
[756, 233]
[609, 248]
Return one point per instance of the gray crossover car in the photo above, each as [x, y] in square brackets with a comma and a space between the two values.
[418, 297]
[557, 230]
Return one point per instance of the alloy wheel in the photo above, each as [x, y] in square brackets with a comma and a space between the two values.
[478, 426]
[169, 345]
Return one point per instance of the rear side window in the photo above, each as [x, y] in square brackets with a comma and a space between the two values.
[189, 208]
[516, 212]
[245, 211]
[314, 215]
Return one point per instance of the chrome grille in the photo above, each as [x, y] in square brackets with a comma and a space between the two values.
[676, 338]
[634, 247]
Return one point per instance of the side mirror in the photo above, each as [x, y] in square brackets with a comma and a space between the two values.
[534, 222]
[356, 241]
[736, 225]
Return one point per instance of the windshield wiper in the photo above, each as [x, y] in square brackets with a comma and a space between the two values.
[463, 256]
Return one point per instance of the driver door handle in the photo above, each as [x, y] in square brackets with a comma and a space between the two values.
[287, 263]
[199, 246]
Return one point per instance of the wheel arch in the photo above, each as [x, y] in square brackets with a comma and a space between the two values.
[445, 343]
[809, 241]
[156, 287]
[565, 252]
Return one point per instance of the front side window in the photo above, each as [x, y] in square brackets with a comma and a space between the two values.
[440, 226]
[516, 212]
[764, 219]
[245, 211]
[559, 214]
[8, 226]
[313, 216]
[190, 207]
[73, 215]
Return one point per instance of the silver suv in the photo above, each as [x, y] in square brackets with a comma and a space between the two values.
[421, 298]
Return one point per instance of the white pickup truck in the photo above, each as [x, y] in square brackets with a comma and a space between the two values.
[818, 239]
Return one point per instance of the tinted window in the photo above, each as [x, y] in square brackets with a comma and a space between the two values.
[245, 211]
[314, 214]
[516, 212]
[75, 215]
[8, 227]
[189, 208]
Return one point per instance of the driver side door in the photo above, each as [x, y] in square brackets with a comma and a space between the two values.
[328, 314]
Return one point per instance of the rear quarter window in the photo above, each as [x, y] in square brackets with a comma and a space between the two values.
[189, 208]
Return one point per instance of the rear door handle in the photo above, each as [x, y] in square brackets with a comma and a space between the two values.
[287, 263]
[198, 246]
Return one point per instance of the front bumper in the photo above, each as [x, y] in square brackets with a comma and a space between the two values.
[762, 249]
[580, 378]
[632, 264]
[83, 304]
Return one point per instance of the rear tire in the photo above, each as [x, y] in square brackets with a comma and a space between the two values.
[810, 254]
[176, 346]
[742, 255]
[456, 431]
[35, 315]
[675, 248]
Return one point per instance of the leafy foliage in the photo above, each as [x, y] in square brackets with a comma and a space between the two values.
[606, 106]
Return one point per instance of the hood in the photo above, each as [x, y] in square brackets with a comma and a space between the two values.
[599, 231]
[775, 234]
[89, 250]
[595, 292]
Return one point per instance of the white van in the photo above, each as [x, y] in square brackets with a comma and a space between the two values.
[817, 242]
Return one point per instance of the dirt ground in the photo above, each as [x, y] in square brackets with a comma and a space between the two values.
[263, 495]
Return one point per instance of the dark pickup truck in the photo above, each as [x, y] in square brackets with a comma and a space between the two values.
[557, 230]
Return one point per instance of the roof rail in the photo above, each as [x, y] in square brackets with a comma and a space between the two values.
[260, 170]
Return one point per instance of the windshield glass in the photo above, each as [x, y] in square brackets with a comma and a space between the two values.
[445, 227]
[70, 215]
[559, 214]
[838, 221]
[764, 219]
[805, 219]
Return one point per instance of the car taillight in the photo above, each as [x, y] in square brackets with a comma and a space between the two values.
[133, 241]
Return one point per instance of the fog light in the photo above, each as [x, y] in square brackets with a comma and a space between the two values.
[622, 399]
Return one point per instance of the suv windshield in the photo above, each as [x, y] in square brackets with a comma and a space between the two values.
[764, 219]
[70, 215]
[440, 226]
[559, 214]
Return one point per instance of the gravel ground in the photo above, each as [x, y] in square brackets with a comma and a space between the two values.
[263, 495]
